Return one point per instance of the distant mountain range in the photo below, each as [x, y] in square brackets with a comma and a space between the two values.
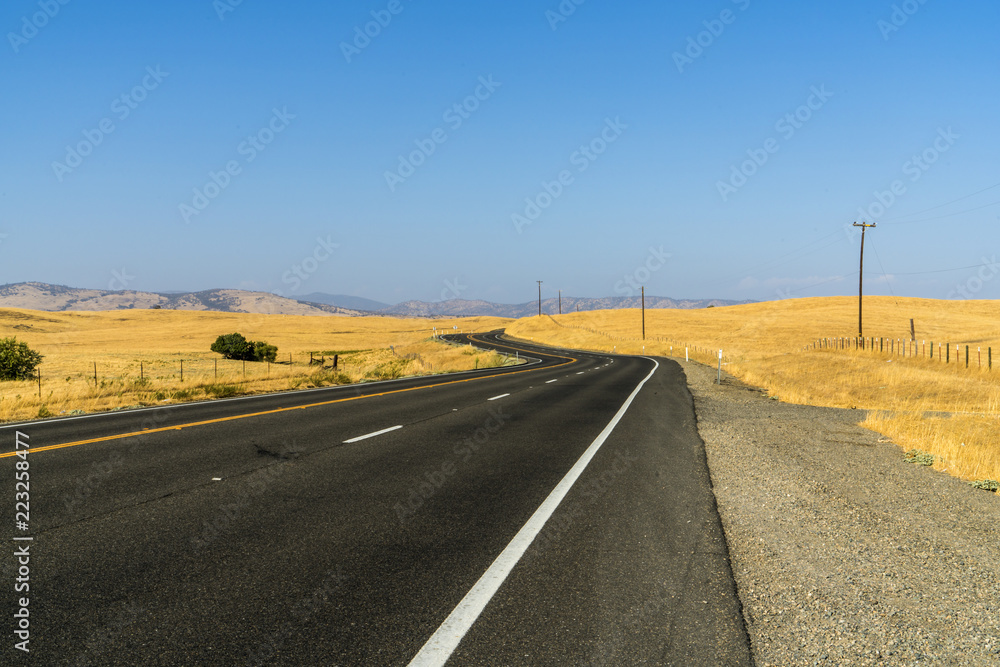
[42, 296]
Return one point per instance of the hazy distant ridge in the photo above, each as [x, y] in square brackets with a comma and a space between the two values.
[464, 308]
[42, 296]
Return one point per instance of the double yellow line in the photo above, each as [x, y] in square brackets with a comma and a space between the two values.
[77, 443]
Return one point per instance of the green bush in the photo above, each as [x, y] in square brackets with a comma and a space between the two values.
[261, 351]
[17, 360]
[236, 346]
[919, 457]
[986, 485]
[232, 346]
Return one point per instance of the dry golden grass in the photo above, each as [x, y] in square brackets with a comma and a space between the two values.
[139, 355]
[769, 345]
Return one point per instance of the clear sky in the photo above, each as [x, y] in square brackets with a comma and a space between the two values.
[705, 149]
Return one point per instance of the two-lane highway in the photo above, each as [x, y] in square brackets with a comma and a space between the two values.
[354, 525]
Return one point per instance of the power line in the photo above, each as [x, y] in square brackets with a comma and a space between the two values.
[941, 217]
[934, 208]
[884, 274]
[924, 273]
[825, 282]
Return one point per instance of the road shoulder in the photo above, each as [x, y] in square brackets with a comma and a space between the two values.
[843, 553]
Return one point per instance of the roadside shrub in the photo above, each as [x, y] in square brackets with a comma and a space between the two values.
[17, 360]
[232, 346]
[986, 485]
[919, 457]
[236, 346]
[261, 351]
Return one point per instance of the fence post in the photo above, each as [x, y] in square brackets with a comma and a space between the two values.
[141, 377]
[39, 383]
[947, 354]
[95, 373]
[966, 356]
[182, 370]
[989, 355]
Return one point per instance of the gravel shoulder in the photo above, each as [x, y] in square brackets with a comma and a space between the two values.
[844, 554]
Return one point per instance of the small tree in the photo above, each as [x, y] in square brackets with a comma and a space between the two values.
[236, 346]
[232, 346]
[17, 360]
[261, 351]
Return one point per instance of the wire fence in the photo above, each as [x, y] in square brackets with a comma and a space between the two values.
[955, 354]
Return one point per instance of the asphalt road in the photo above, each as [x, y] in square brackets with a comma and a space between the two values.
[271, 530]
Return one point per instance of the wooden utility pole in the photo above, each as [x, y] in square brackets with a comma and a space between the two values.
[644, 312]
[539, 297]
[861, 275]
[560, 302]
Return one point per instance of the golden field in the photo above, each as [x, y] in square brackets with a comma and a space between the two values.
[946, 410]
[139, 355]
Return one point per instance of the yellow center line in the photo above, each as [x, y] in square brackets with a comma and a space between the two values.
[77, 443]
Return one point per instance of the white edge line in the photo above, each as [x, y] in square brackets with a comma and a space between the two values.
[447, 637]
[551, 381]
[495, 398]
[372, 435]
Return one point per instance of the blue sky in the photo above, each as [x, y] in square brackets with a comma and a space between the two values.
[709, 149]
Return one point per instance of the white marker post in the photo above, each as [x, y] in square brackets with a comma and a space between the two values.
[720, 367]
